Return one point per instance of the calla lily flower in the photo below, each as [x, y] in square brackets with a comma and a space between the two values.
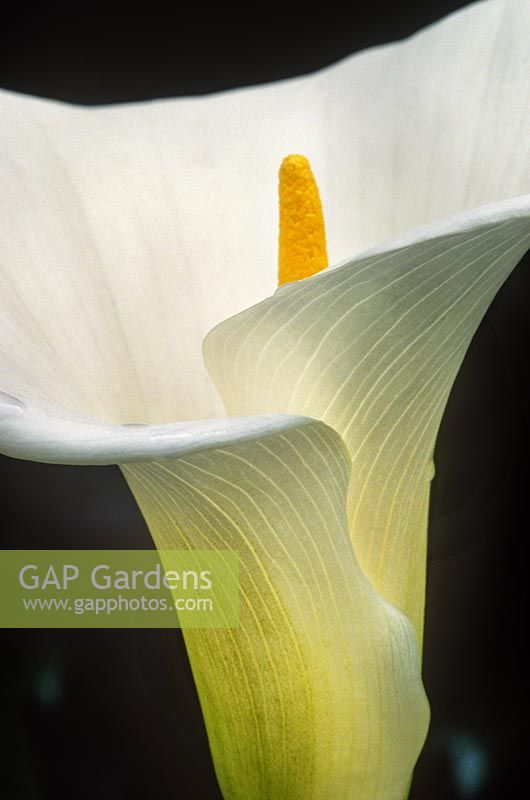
[134, 237]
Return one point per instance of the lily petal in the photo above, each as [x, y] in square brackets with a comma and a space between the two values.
[317, 695]
[372, 348]
[429, 127]
[128, 232]
[33, 434]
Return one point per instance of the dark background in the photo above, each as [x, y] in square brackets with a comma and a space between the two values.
[113, 714]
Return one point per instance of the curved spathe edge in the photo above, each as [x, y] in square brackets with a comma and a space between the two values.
[36, 435]
[472, 219]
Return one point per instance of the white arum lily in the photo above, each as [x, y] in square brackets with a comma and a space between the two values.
[129, 233]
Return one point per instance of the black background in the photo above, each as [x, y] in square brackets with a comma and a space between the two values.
[113, 714]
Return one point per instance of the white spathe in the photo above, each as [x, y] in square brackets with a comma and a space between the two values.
[372, 348]
[129, 233]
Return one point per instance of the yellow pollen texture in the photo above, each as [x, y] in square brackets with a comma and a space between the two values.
[302, 242]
